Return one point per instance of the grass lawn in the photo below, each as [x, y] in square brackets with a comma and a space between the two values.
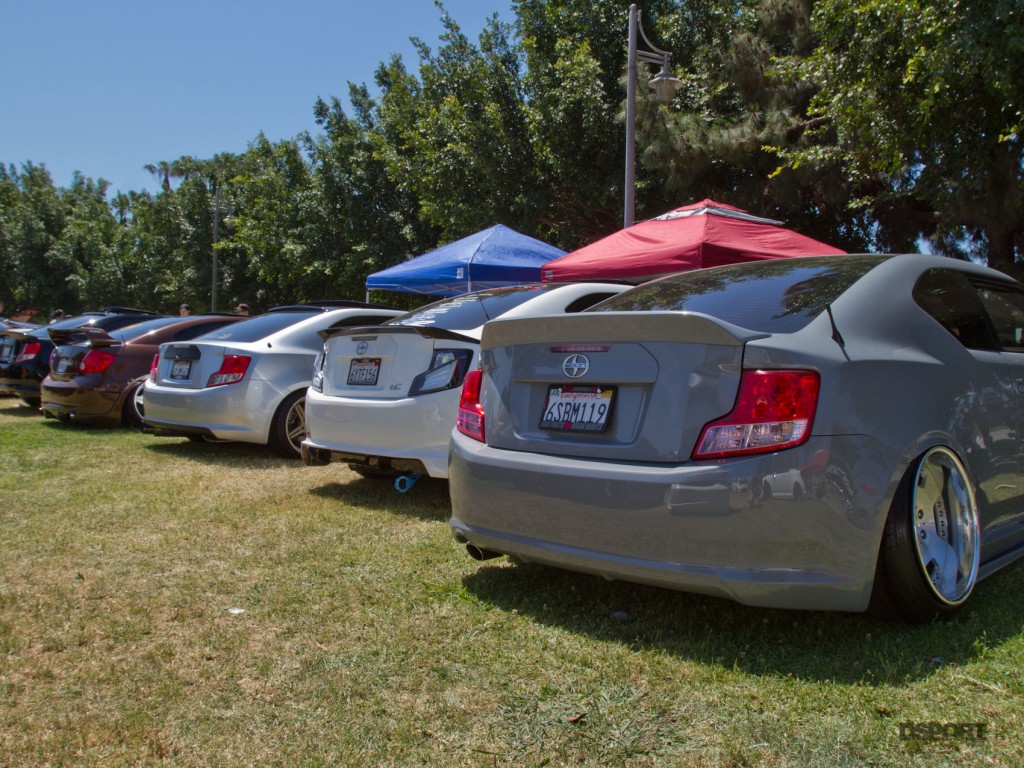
[164, 602]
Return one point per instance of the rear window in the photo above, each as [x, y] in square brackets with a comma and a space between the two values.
[257, 328]
[472, 310]
[106, 322]
[140, 329]
[774, 296]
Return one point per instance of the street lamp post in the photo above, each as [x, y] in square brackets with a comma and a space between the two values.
[664, 85]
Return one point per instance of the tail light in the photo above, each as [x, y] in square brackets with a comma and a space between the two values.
[773, 410]
[96, 361]
[447, 370]
[470, 420]
[28, 351]
[153, 366]
[317, 384]
[231, 370]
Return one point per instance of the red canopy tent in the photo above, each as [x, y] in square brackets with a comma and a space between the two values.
[704, 234]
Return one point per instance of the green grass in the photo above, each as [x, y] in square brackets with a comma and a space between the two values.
[170, 603]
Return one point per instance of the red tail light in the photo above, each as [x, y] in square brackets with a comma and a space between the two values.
[28, 352]
[232, 369]
[470, 420]
[773, 410]
[153, 366]
[96, 361]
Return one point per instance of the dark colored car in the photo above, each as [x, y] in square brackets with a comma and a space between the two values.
[96, 375]
[25, 354]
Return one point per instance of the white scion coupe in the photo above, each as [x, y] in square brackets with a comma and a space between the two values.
[384, 400]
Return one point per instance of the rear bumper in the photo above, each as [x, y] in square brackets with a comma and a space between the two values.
[411, 433]
[68, 400]
[18, 381]
[238, 413]
[713, 528]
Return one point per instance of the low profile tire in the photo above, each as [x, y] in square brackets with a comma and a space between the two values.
[288, 429]
[928, 563]
[131, 416]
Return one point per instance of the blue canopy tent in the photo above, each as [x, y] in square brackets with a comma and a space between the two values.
[492, 258]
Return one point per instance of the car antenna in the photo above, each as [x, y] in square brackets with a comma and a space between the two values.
[836, 335]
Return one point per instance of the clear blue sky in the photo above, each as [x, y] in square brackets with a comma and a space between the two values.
[106, 86]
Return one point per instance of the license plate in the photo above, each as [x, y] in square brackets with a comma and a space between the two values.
[364, 371]
[181, 369]
[7, 350]
[572, 408]
[63, 364]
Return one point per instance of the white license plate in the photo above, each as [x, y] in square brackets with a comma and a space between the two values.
[364, 371]
[573, 408]
[181, 369]
[63, 364]
[7, 350]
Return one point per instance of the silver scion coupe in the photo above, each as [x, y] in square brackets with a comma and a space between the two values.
[246, 382]
[833, 433]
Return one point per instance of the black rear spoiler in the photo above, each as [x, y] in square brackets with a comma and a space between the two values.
[426, 331]
[93, 337]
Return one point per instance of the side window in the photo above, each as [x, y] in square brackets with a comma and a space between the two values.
[1004, 304]
[947, 296]
[589, 300]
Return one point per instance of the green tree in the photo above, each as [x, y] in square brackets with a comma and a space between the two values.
[921, 103]
[270, 225]
[458, 137]
[33, 220]
[361, 219]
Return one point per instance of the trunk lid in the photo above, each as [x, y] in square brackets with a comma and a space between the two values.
[190, 365]
[630, 386]
[71, 345]
[384, 362]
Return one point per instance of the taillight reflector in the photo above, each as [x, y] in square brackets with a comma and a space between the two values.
[773, 410]
[470, 420]
[28, 351]
[231, 370]
[153, 366]
[96, 361]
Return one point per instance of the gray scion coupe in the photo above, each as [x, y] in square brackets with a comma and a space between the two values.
[833, 433]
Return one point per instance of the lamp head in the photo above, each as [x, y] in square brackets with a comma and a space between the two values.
[665, 84]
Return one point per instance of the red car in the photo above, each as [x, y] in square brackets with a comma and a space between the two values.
[96, 376]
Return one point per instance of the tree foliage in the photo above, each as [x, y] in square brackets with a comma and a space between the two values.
[921, 103]
[870, 124]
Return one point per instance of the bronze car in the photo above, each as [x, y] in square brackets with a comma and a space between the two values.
[96, 375]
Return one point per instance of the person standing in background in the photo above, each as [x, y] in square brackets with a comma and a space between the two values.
[184, 310]
[242, 309]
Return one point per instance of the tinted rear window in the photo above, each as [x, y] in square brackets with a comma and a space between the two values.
[776, 296]
[258, 327]
[140, 329]
[461, 313]
[106, 322]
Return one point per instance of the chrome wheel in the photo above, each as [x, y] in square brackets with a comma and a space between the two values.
[295, 424]
[137, 402]
[288, 429]
[945, 526]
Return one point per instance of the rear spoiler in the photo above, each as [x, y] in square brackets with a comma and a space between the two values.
[609, 327]
[93, 337]
[426, 331]
[18, 334]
